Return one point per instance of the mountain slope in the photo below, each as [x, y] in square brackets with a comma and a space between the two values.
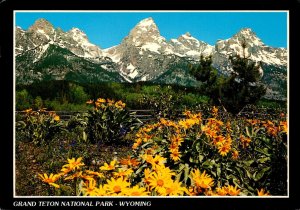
[58, 63]
[43, 53]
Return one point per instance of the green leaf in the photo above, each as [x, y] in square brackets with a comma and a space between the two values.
[104, 117]
[218, 171]
[247, 131]
[263, 160]
[261, 173]
[264, 151]
[249, 187]
[178, 176]
[186, 172]
[241, 174]
[201, 157]
[84, 136]
[248, 174]
[140, 169]
[181, 167]
[248, 162]
[257, 130]
[144, 145]
[208, 164]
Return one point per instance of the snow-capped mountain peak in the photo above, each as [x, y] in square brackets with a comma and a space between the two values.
[42, 33]
[145, 23]
[187, 35]
[248, 36]
[145, 55]
[80, 37]
[255, 48]
[42, 26]
[77, 33]
[187, 45]
[246, 31]
[145, 31]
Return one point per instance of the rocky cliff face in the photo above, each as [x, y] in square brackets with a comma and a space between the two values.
[143, 55]
[42, 33]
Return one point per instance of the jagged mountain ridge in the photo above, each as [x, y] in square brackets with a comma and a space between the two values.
[143, 55]
[43, 52]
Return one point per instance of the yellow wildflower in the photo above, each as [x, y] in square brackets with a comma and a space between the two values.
[262, 192]
[72, 164]
[283, 127]
[90, 101]
[56, 118]
[224, 149]
[214, 111]
[174, 188]
[109, 167]
[221, 191]
[123, 172]
[202, 180]
[137, 191]
[89, 188]
[235, 154]
[233, 191]
[120, 105]
[175, 155]
[157, 160]
[245, 141]
[75, 175]
[100, 175]
[159, 181]
[101, 191]
[110, 102]
[117, 187]
[147, 175]
[50, 179]
[129, 161]
[101, 100]
[177, 139]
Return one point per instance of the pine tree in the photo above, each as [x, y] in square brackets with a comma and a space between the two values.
[208, 75]
[242, 87]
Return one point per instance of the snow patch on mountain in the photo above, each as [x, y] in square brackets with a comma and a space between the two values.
[146, 22]
[154, 47]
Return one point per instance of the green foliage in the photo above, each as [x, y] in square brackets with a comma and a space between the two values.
[23, 100]
[31, 158]
[243, 86]
[64, 95]
[264, 163]
[210, 80]
[272, 104]
[236, 91]
[164, 101]
[38, 103]
[38, 127]
[109, 122]
[191, 99]
[204, 72]
[250, 154]
[77, 125]
[77, 94]
[58, 106]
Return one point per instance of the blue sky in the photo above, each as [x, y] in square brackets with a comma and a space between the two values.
[107, 29]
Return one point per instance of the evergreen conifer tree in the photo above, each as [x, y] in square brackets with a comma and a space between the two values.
[242, 87]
